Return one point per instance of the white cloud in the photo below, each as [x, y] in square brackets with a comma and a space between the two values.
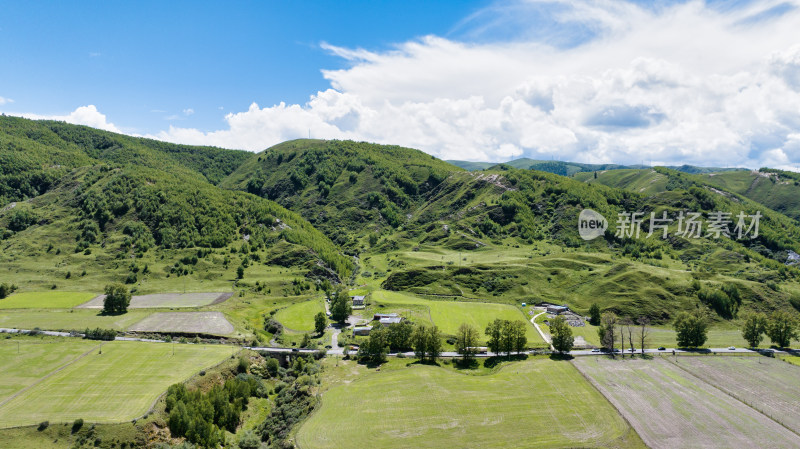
[188, 111]
[685, 83]
[4, 100]
[584, 80]
[84, 115]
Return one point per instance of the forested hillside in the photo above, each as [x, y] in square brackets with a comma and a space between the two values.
[345, 189]
[75, 190]
[114, 207]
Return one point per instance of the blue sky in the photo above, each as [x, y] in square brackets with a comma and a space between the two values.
[140, 62]
[671, 82]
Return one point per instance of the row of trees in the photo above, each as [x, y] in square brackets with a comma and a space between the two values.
[613, 328]
[781, 328]
[6, 289]
[426, 341]
[504, 337]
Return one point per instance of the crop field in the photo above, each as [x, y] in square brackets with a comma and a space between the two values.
[24, 361]
[158, 300]
[210, 323]
[119, 384]
[536, 403]
[68, 319]
[45, 300]
[670, 408]
[766, 384]
[448, 315]
[300, 316]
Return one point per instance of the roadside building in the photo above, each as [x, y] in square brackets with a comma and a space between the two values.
[358, 300]
[378, 316]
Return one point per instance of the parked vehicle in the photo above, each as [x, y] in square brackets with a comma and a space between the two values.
[661, 348]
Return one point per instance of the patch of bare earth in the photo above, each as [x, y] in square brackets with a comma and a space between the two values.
[671, 408]
[769, 385]
[209, 323]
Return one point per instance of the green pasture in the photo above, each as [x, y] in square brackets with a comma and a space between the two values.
[45, 300]
[116, 383]
[448, 314]
[69, 319]
[532, 404]
[300, 316]
[23, 361]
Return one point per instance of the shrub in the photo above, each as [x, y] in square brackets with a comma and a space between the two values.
[43, 425]
[77, 424]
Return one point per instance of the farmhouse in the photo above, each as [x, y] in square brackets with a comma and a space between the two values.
[358, 300]
[362, 330]
[556, 310]
[379, 316]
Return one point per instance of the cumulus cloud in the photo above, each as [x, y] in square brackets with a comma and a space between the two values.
[4, 100]
[84, 115]
[584, 80]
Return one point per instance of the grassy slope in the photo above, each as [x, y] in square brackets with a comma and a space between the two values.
[300, 316]
[117, 385]
[537, 403]
[780, 193]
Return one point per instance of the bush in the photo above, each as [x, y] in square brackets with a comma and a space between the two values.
[77, 424]
[43, 425]
[100, 334]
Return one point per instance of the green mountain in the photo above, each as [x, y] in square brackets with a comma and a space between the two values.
[112, 206]
[82, 207]
[345, 189]
[571, 168]
[775, 189]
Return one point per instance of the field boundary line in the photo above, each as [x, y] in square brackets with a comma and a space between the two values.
[613, 404]
[50, 374]
[685, 370]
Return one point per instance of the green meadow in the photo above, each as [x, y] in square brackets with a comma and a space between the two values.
[45, 300]
[116, 382]
[539, 403]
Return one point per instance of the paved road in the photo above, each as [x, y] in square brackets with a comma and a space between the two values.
[340, 351]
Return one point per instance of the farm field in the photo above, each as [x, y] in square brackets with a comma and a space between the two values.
[210, 323]
[68, 319]
[670, 408]
[535, 403]
[116, 385]
[45, 300]
[24, 361]
[300, 316]
[448, 315]
[158, 300]
[769, 385]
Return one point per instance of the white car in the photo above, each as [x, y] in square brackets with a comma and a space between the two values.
[595, 350]
[732, 348]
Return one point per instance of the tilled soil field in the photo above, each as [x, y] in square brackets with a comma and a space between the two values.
[671, 408]
[769, 385]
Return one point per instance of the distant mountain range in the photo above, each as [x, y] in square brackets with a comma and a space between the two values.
[570, 168]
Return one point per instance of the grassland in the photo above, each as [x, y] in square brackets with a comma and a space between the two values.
[23, 361]
[300, 316]
[45, 300]
[536, 403]
[671, 408]
[68, 319]
[116, 385]
[448, 314]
